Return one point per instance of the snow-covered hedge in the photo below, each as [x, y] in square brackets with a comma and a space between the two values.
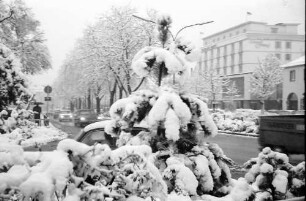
[242, 120]
[75, 171]
[16, 128]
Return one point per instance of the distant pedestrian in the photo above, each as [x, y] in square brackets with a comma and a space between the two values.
[37, 111]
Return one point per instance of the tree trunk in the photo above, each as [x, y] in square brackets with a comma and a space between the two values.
[262, 102]
[71, 105]
[98, 100]
[80, 104]
[112, 94]
[120, 92]
[88, 100]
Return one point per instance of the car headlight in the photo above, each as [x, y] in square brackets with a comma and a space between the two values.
[100, 117]
[82, 118]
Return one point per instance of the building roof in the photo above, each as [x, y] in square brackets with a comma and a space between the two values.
[246, 23]
[297, 62]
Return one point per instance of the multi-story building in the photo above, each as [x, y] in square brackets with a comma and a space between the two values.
[294, 84]
[235, 53]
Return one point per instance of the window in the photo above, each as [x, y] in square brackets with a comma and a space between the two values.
[218, 62]
[232, 69]
[274, 30]
[218, 71]
[205, 53]
[233, 48]
[288, 45]
[224, 60]
[278, 56]
[211, 53]
[211, 63]
[205, 65]
[240, 46]
[224, 37]
[232, 59]
[230, 35]
[278, 44]
[240, 68]
[225, 71]
[218, 52]
[94, 136]
[292, 75]
[288, 57]
[225, 50]
[240, 58]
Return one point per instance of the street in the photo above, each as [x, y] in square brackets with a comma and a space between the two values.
[238, 148]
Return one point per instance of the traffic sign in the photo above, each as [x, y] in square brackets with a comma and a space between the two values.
[48, 89]
[48, 98]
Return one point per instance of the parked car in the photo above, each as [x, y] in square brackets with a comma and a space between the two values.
[94, 133]
[85, 117]
[65, 115]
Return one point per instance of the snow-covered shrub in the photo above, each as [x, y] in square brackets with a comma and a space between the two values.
[242, 120]
[273, 177]
[16, 128]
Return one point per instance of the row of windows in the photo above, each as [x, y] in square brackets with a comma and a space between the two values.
[278, 45]
[217, 62]
[215, 52]
[229, 69]
[227, 35]
[287, 56]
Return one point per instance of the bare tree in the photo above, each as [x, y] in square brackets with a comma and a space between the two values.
[265, 78]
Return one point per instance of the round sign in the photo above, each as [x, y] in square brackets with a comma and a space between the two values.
[48, 89]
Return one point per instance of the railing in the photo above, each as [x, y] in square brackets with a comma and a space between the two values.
[41, 122]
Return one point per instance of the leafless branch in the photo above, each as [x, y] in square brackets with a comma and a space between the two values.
[10, 15]
[197, 24]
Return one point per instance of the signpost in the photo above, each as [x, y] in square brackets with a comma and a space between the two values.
[48, 90]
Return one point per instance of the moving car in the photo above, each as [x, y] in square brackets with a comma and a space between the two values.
[56, 114]
[94, 133]
[85, 117]
[284, 133]
[65, 115]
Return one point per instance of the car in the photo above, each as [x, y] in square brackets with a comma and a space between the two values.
[85, 117]
[65, 115]
[95, 133]
[56, 114]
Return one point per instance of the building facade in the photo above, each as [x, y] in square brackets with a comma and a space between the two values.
[294, 84]
[235, 53]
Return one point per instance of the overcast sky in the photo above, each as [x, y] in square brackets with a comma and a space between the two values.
[63, 21]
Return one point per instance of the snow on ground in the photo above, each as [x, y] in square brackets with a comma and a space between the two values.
[33, 136]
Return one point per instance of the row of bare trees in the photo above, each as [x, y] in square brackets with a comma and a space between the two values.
[99, 64]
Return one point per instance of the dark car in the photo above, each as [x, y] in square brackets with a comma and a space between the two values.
[56, 114]
[65, 115]
[85, 117]
[94, 133]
